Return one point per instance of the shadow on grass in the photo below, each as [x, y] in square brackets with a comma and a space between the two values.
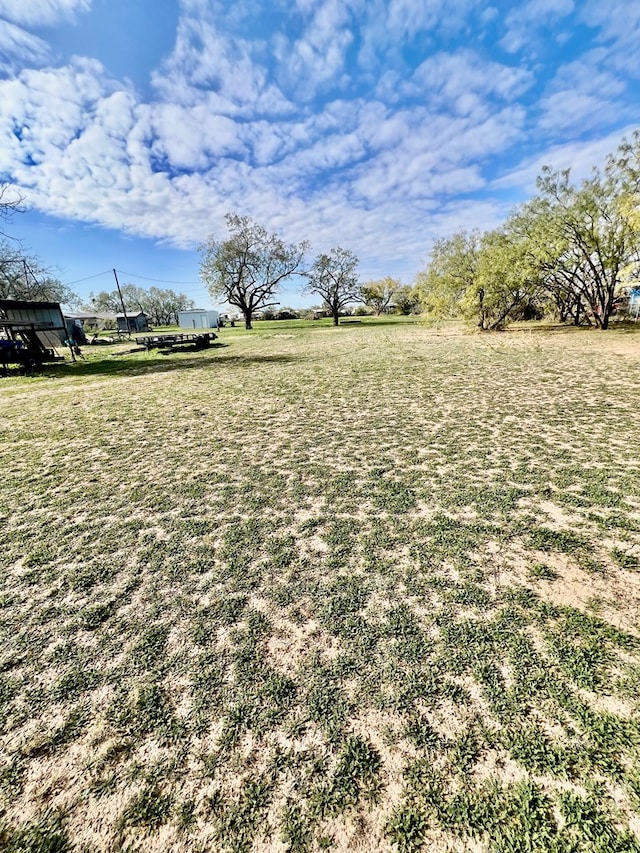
[626, 326]
[386, 320]
[139, 364]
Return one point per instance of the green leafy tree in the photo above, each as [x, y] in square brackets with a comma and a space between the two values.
[379, 294]
[109, 300]
[406, 300]
[247, 269]
[546, 249]
[451, 273]
[507, 282]
[162, 305]
[627, 164]
[588, 237]
[105, 301]
[486, 279]
[569, 245]
[333, 277]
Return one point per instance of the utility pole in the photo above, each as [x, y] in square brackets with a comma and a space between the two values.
[28, 293]
[124, 310]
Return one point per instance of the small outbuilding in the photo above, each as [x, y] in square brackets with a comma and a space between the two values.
[86, 320]
[132, 322]
[198, 318]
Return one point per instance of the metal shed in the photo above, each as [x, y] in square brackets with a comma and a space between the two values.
[198, 319]
[135, 322]
[33, 329]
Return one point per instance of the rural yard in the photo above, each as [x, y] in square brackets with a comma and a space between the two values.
[366, 588]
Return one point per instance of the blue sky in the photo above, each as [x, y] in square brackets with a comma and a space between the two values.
[133, 126]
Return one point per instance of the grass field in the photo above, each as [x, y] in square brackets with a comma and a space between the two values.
[366, 588]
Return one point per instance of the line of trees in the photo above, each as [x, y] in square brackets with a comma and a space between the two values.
[24, 277]
[247, 269]
[160, 304]
[566, 250]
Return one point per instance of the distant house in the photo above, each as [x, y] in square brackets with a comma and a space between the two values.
[88, 321]
[40, 324]
[198, 318]
[78, 323]
[132, 322]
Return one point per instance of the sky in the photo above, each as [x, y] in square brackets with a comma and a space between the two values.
[131, 127]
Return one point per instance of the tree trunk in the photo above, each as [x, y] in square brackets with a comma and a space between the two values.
[608, 307]
[247, 320]
[578, 309]
[481, 308]
[335, 318]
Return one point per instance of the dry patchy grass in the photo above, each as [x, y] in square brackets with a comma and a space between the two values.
[364, 588]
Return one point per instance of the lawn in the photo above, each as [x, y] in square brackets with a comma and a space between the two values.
[370, 588]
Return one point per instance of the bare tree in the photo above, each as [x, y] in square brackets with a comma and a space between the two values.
[11, 201]
[24, 277]
[247, 268]
[333, 276]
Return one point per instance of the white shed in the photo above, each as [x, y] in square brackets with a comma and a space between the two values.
[197, 319]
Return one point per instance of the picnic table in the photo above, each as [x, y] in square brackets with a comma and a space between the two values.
[198, 341]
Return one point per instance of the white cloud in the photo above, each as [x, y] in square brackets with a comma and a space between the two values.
[454, 76]
[318, 57]
[409, 17]
[618, 23]
[434, 155]
[205, 59]
[579, 156]
[380, 157]
[91, 150]
[190, 137]
[582, 95]
[41, 12]
[15, 44]
[524, 20]
[489, 14]
[386, 26]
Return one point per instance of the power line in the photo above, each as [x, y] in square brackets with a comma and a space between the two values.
[160, 280]
[97, 275]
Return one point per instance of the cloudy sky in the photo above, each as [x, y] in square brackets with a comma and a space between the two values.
[133, 126]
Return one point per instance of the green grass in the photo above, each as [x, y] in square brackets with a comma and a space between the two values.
[373, 587]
